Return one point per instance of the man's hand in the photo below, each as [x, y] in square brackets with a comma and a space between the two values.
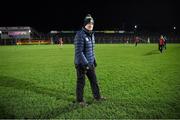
[88, 67]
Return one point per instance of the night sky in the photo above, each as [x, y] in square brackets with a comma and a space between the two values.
[149, 15]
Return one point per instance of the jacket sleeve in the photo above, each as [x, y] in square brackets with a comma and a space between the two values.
[79, 48]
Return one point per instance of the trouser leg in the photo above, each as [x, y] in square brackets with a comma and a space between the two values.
[93, 82]
[80, 84]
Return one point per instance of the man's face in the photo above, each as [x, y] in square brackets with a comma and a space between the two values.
[89, 26]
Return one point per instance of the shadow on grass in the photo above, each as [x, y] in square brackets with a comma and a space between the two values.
[30, 86]
[5, 113]
[152, 52]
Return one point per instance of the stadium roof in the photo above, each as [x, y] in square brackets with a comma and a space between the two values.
[15, 28]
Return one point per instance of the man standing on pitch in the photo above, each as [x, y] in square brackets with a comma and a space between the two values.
[85, 61]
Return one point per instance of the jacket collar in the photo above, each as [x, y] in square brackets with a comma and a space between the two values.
[90, 33]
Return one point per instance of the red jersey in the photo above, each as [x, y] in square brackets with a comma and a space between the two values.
[161, 41]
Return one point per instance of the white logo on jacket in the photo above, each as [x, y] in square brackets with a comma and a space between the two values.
[87, 39]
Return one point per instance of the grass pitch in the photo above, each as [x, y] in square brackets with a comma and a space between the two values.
[39, 81]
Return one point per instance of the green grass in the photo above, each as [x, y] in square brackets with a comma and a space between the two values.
[39, 81]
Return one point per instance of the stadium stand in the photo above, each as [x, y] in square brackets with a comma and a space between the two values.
[28, 36]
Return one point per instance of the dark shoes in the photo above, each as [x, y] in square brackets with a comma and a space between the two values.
[84, 104]
[100, 99]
